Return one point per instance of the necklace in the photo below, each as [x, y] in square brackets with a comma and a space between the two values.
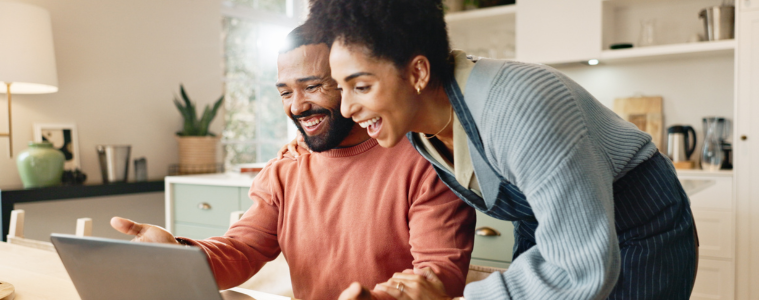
[450, 118]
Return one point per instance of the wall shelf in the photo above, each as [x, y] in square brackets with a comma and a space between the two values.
[689, 50]
[474, 14]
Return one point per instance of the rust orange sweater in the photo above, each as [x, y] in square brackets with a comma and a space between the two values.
[352, 214]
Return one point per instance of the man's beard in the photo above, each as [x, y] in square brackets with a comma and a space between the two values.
[337, 129]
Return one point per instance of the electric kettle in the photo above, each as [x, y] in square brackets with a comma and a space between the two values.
[681, 142]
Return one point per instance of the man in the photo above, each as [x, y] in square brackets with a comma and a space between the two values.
[330, 211]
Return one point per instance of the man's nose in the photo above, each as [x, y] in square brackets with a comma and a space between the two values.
[299, 104]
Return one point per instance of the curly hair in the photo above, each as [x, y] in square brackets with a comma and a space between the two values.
[394, 30]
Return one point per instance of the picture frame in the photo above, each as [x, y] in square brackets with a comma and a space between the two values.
[64, 138]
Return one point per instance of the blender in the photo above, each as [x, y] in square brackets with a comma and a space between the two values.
[716, 131]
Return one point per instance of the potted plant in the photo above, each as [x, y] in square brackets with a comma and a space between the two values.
[197, 145]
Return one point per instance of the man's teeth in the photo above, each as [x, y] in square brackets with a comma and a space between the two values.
[368, 123]
[313, 122]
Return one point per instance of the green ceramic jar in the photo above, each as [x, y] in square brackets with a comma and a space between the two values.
[40, 165]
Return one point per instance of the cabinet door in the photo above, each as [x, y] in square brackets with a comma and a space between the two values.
[550, 31]
[714, 280]
[746, 145]
[749, 4]
[493, 250]
[205, 204]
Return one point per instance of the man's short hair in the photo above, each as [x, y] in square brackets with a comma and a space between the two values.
[300, 36]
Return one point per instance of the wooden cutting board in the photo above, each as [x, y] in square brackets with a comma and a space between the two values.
[644, 112]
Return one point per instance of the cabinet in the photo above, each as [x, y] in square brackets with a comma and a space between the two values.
[713, 206]
[747, 152]
[493, 250]
[487, 32]
[199, 206]
[555, 31]
[749, 4]
[203, 211]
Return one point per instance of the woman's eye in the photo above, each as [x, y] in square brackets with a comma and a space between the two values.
[363, 89]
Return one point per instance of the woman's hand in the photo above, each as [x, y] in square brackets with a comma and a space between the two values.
[294, 148]
[356, 292]
[414, 284]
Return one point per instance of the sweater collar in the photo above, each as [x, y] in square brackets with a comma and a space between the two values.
[351, 151]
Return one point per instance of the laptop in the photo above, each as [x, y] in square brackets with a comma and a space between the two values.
[113, 269]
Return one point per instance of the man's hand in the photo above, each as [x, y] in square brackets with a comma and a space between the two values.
[417, 284]
[356, 292]
[143, 232]
[294, 148]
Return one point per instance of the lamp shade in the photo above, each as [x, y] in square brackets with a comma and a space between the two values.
[27, 57]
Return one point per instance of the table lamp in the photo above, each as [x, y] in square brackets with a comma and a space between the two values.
[27, 58]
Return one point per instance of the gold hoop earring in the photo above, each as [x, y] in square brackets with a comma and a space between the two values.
[418, 90]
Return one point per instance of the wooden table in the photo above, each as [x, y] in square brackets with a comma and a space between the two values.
[35, 274]
[40, 275]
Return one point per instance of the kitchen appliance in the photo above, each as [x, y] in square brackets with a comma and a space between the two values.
[717, 130]
[719, 22]
[114, 162]
[681, 143]
[727, 162]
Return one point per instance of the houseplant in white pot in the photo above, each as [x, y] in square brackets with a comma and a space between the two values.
[197, 145]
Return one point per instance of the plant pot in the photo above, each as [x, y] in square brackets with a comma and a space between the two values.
[197, 153]
[40, 165]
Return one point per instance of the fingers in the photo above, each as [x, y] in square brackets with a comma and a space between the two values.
[293, 149]
[398, 289]
[428, 274]
[126, 226]
[355, 292]
[281, 152]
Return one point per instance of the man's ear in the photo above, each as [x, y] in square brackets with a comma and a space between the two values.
[419, 73]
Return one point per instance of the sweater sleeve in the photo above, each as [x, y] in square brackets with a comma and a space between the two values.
[252, 241]
[535, 135]
[441, 229]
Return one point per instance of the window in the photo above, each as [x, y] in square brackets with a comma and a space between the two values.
[255, 124]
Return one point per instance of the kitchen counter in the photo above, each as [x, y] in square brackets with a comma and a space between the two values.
[218, 179]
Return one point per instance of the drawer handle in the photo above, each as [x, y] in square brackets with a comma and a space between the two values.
[204, 206]
[486, 231]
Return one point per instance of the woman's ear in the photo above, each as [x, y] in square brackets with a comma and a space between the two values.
[419, 73]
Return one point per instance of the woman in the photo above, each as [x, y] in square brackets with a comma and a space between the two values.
[598, 212]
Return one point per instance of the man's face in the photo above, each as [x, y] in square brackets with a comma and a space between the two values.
[310, 96]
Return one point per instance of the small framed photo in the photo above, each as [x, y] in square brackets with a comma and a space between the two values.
[63, 137]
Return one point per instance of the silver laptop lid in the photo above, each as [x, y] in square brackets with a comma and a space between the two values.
[113, 269]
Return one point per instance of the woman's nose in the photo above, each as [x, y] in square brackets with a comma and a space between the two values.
[348, 107]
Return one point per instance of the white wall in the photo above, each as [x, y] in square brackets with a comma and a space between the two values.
[691, 88]
[119, 64]
[46, 217]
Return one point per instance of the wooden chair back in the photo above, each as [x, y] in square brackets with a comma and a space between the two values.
[16, 232]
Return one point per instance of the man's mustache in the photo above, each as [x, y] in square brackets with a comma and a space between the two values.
[311, 112]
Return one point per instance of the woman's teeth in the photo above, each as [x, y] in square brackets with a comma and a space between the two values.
[313, 122]
[368, 123]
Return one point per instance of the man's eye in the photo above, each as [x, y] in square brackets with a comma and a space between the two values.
[284, 94]
[313, 87]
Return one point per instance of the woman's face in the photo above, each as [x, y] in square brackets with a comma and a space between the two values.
[376, 95]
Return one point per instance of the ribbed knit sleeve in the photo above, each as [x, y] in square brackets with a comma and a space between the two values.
[549, 137]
